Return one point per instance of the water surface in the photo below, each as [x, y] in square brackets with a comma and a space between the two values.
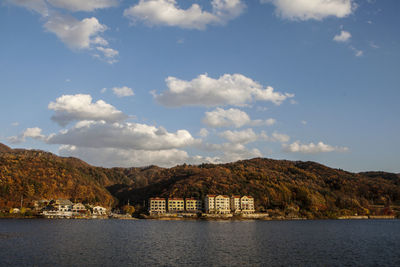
[199, 243]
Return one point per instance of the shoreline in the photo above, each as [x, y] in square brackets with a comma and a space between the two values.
[213, 218]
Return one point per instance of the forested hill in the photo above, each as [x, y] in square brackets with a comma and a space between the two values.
[287, 187]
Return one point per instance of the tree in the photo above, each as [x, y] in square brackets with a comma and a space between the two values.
[128, 209]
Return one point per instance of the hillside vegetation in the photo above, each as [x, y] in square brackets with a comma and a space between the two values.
[287, 188]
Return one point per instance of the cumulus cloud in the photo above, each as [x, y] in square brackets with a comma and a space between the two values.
[77, 34]
[231, 152]
[100, 134]
[80, 107]
[203, 132]
[112, 157]
[38, 6]
[123, 91]
[235, 89]
[279, 137]
[109, 54]
[81, 34]
[232, 117]
[86, 5]
[35, 133]
[241, 137]
[344, 36]
[167, 12]
[312, 148]
[312, 9]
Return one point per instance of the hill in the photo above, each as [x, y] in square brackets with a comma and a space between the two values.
[288, 188]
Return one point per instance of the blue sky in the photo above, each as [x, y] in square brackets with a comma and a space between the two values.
[166, 82]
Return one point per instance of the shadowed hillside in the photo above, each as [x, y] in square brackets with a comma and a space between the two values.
[288, 188]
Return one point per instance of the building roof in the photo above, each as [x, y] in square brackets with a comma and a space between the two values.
[175, 198]
[247, 196]
[224, 196]
[211, 195]
[63, 202]
[192, 198]
[235, 196]
[156, 198]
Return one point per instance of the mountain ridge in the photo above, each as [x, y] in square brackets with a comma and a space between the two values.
[301, 188]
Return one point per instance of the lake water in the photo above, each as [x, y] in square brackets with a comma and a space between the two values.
[199, 243]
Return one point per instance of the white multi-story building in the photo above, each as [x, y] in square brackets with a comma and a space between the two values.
[193, 205]
[235, 204]
[222, 204]
[157, 205]
[209, 203]
[176, 204]
[247, 204]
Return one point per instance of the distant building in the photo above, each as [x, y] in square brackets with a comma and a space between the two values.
[209, 203]
[63, 205]
[235, 204]
[99, 211]
[78, 208]
[157, 205]
[222, 204]
[193, 205]
[176, 205]
[247, 204]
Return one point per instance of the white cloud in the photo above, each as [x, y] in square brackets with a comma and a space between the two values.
[357, 52]
[344, 36]
[123, 91]
[303, 122]
[235, 89]
[112, 157]
[38, 6]
[203, 132]
[103, 90]
[279, 137]
[15, 123]
[312, 148]
[312, 9]
[167, 12]
[100, 134]
[109, 54]
[232, 117]
[80, 107]
[224, 118]
[77, 34]
[241, 137]
[83, 5]
[231, 152]
[82, 35]
[35, 133]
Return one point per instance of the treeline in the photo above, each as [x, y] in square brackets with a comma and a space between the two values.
[287, 188]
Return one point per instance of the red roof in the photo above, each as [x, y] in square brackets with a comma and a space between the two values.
[211, 195]
[157, 198]
[175, 198]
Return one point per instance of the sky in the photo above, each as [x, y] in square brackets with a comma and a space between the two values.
[166, 82]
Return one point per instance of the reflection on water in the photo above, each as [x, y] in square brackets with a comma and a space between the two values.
[199, 243]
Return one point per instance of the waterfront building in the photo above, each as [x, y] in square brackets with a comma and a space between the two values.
[78, 208]
[209, 203]
[157, 205]
[63, 205]
[176, 205]
[235, 204]
[222, 204]
[247, 204]
[99, 211]
[193, 205]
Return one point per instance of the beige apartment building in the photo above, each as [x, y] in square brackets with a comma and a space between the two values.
[193, 205]
[222, 204]
[209, 203]
[247, 204]
[157, 205]
[176, 204]
[235, 204]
